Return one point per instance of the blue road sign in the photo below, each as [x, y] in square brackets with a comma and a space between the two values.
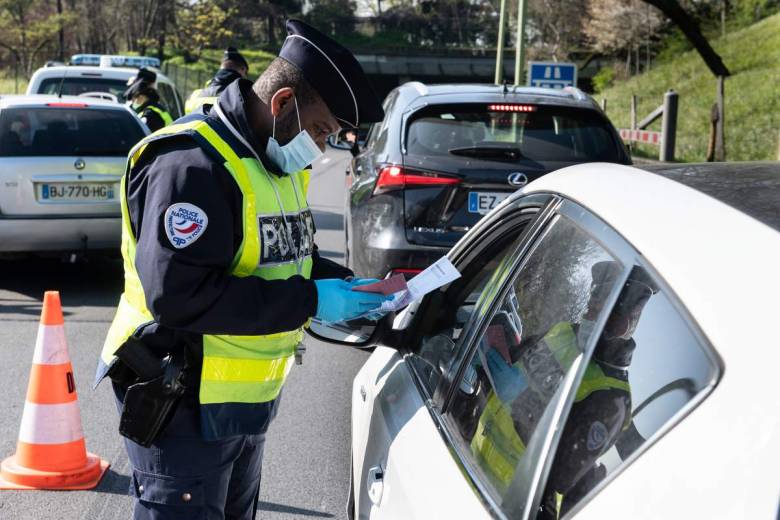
[552, 74]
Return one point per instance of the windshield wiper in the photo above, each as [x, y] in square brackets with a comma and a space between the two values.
[501, 153]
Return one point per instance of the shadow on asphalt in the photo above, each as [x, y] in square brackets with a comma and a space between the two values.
[93, 282]
[114, 483]
[297, 511]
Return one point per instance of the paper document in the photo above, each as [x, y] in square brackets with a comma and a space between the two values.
[440, 273]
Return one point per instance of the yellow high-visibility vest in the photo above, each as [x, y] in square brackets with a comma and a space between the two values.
[198, 98]
[165, 116]
[236, 369]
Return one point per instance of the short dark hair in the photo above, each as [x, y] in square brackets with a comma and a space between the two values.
[232, 65]
[280, 74]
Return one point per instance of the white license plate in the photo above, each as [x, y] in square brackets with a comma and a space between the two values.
[76, 191]
[483, 202]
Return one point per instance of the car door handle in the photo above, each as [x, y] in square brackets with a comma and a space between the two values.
[375, 484]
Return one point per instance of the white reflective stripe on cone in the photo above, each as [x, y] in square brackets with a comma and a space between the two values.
[51, 423]
[50, 346]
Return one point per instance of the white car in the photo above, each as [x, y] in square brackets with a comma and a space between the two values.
[90, 81]
[61, 162]
[609, 352]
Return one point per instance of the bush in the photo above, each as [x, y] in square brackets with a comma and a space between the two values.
[603, 79]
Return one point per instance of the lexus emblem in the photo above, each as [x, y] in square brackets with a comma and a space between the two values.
[79, 164]
[518, 179]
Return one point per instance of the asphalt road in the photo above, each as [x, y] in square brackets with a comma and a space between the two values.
[306, 467]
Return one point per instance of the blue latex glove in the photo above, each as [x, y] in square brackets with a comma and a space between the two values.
[336, 301]
[362, 281]
[508, 379]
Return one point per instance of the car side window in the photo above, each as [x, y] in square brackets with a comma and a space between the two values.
[647, 366]
[530, 345]
[438, 349]
[378, 136]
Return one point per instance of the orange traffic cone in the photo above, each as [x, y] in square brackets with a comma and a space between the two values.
[51, 453]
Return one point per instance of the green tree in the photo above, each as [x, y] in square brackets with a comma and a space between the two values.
[201, 25]
[336, 17]
[27, 27]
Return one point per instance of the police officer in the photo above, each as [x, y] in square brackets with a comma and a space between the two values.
[233, 66]
[222, 273]
[145, 100]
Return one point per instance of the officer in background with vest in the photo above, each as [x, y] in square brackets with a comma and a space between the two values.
[602, 407]
[222, 273]
[145, 100]
[233, 67]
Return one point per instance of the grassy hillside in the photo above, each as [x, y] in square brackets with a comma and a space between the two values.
[752, 110]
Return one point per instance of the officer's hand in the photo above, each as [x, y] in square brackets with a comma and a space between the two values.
[336, 301]
[508, 379]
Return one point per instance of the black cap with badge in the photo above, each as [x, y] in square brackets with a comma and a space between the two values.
[333, 72]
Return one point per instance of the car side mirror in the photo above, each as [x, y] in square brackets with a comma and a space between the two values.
[344, 140]
[355, 333]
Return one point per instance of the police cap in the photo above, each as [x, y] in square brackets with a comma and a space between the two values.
[145, 75]
[334, 72]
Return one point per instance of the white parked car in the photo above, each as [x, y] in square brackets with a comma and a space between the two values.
[88, 80]
[61, 161]
[609, 352]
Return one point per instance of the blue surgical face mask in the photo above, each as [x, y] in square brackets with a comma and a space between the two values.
[300, 152]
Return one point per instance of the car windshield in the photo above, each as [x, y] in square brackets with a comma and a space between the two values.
[513, 133]
[75, 86]
[57, 131]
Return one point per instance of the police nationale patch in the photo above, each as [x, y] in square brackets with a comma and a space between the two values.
[184, 224]
[597, 436]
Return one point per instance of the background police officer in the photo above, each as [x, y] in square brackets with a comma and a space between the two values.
[233, 66]
[221, 273]
[145, 100]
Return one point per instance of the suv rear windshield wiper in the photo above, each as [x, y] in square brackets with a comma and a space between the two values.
[496, 152]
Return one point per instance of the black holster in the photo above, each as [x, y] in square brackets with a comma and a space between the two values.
[154, 387]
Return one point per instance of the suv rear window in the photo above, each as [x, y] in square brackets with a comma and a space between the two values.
[513, 132]
[57, 131]
[79, 85]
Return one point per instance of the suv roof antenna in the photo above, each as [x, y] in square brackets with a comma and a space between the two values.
[59, 89]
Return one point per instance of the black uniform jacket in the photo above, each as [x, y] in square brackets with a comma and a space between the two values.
[189, 291]
[151, 119]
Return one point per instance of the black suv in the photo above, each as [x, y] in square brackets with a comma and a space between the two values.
[445, 155]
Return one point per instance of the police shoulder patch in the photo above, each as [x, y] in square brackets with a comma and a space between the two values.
[597, 436]
[184, 224]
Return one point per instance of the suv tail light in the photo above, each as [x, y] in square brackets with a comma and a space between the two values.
[397, 178]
